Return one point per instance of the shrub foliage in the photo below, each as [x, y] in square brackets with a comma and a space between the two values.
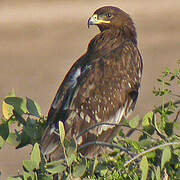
[153, 154]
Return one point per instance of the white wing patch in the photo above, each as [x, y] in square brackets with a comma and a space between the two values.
[79, 140]
[72, 84]
[52, 129]
[75, 76]
[116, 119]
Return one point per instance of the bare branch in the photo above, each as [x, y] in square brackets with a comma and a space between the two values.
[177, 115]
[112, 124]
[172, 94]
[98, 124]
[149, 150]
[166, 105]
[100, 143]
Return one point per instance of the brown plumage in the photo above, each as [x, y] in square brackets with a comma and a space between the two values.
[102, 85]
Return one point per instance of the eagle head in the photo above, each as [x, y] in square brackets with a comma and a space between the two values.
[111, 17]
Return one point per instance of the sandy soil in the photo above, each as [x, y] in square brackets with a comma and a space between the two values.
[40, 40]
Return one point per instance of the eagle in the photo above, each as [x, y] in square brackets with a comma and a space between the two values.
[101, 87]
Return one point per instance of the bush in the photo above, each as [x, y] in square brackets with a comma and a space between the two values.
[154, 155]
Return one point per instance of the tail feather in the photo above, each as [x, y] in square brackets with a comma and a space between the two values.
[49, 142]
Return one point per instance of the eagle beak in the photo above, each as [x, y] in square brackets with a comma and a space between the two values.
[93, 20]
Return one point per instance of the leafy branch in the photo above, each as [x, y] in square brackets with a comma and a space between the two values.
[152, 153]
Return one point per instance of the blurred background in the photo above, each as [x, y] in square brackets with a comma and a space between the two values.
[41, 39]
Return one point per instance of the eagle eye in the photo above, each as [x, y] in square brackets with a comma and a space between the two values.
[109, 15]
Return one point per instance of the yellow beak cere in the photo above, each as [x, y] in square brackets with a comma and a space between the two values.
[93, 20]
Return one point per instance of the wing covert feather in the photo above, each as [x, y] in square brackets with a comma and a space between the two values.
[104, 90]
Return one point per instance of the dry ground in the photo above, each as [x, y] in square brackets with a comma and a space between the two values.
[39, 41]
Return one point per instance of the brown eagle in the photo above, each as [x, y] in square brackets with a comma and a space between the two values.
[101, 87]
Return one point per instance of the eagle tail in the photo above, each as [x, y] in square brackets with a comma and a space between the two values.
[49, 142]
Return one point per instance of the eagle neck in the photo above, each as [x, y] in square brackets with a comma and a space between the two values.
[129, 32]
[110, 39]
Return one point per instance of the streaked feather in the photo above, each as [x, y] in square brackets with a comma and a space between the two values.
[102, 86]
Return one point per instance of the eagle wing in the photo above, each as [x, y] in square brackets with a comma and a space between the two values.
[97, 89]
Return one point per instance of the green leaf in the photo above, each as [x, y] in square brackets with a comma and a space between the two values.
[147, 120]
[2, 142]
[19, 118]
[36, 155]
[33, 108]
[29, 165]
[7, 109]
[95, 164]
[55, 167]
[61, 132]
[134, 122]
[19, 104]
[167, 83]
[11, 94]
[136, 145]
[166, 156]
[102, 168]
[70, 159]
[32, 129]
[167, 70]
[92, 166]
[14, 178]
[13, 139]
[159, 80]
[29, 176]
[169, 128]
[79, 169]
[4, 130]
[172, 77]
[158, 173]
[147, 123]
[45, 177]
[71, 147]
[25, 140]
[146, 142]
[152, 175]
[144, 168]
[151, 155]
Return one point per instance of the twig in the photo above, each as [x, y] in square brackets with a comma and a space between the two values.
[112, 124]
[149, 150]
[158, 131]
[177, 115]
[139, 130]
[166, 105]
[92, 127]
[154, 111]
[172, 94]
[100, 143]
